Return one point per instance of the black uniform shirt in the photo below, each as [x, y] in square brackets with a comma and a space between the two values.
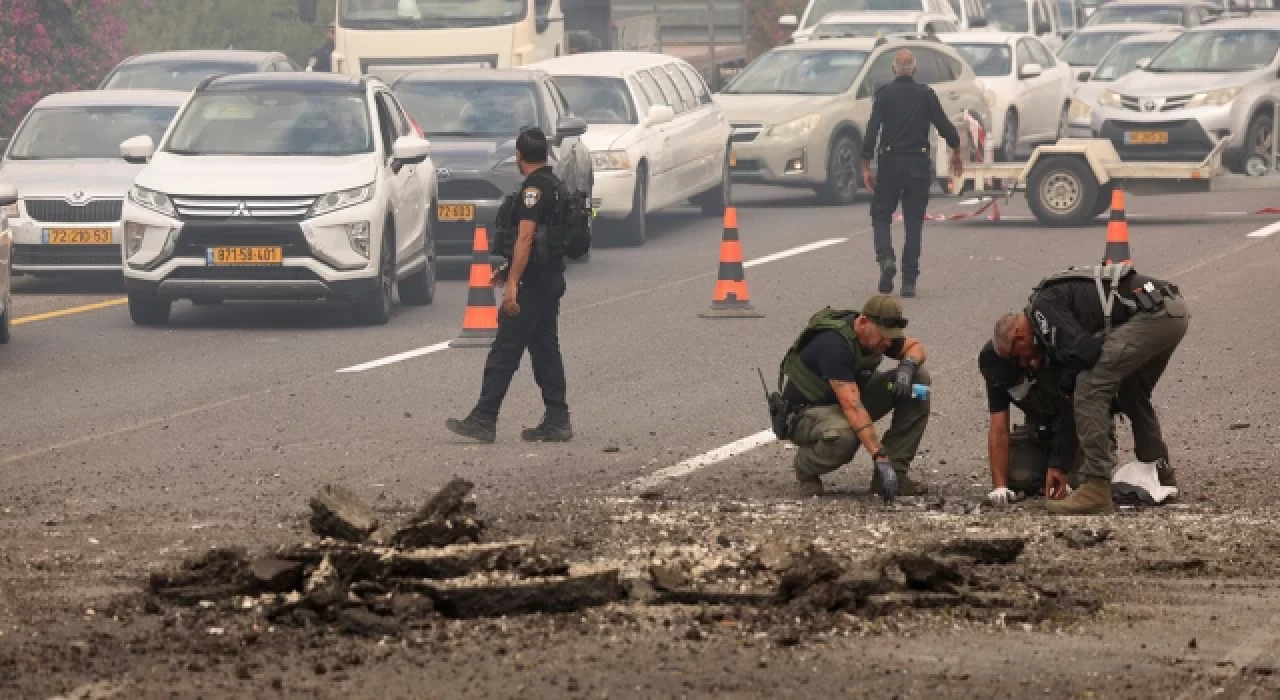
[537, 203]
[324, 58]
[1007, 383]
[894, 104]
[829, 356]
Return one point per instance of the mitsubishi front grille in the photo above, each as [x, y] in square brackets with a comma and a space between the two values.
[60, 211]
[270, 208]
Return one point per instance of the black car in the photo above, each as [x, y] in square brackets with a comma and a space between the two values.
[183, 70]
[472, 117]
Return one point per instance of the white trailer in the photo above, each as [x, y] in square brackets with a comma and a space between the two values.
[1070, 182]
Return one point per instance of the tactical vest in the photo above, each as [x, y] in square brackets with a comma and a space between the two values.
[816, 389]
[1112, 274]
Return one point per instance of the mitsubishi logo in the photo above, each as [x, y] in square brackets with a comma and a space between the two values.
[241, 210]
[79, 198]
[443, 173]
[1151, 104]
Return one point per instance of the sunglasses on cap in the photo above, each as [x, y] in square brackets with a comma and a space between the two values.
[889, 322]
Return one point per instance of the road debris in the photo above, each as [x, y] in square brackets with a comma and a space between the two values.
[337, 512]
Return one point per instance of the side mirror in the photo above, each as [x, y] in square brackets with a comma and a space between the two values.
[1031, 70]
[788, 21]
[1142, 63]
[8, 195]
[571, 126]
[138, 150]
[410, 150]
[307, 11]
[659, 114]
[1084, 76]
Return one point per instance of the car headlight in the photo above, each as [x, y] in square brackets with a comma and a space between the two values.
[342, 199]
[1214, 98]
[1109, 98]
[610, 160]
[796, 128]
[1079, 111]
[155, 201]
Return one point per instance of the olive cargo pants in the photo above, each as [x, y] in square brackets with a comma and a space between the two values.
[1132, 361]
[825, 441]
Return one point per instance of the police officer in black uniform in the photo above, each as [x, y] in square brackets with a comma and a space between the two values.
[905, 109]
[533, 283]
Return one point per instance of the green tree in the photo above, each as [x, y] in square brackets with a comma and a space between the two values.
[265, 25]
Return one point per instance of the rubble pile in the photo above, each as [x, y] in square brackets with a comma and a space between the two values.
[368, 577]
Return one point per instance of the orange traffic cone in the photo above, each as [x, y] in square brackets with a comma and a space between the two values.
[731, 298]
[1117, 231]
[480, 322]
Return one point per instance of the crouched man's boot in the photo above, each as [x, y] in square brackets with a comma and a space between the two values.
[1092, 498]
[474, 426]
[554, 427]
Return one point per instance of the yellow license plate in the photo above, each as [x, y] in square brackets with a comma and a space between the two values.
[246, 255]
[456, 212]
[733, 159]
[78, 236]
[1146, 138]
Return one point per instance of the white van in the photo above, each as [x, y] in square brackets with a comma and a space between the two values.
[966, 13]
[1039, 18]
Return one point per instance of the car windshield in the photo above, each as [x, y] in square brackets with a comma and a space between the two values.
[862, 29]
[1007, 15]
[1087, 48]
[1142, 14]
[273, 123]
[988, 60]
[479, 109]
[1124, 58]
[1218, 51]
[598, 100]
[429, 14]
[813, 72]
[822, 8]
[87, 132]
[175, 75]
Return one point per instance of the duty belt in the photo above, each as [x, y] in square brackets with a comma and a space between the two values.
[903, 150]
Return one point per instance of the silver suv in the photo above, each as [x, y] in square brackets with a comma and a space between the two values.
[1213, 81]
[798, 113]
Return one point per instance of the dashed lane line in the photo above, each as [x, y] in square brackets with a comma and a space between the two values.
[48, 315]
[705, 459]
[1266, 231]
[430, 349]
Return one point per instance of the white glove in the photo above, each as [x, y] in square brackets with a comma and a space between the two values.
[1001, 497]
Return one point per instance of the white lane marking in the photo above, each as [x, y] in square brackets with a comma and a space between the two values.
[795, 251]
[392, 359]
[705, 459]
[1266, 231]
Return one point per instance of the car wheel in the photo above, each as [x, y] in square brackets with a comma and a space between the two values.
[6, 319]
[149, 310]
[1062, 191]
[634, 229]
[1009, 140]
[375, 309]
[1257, 141]
[715, 200]
[842, 171]
[419, 289]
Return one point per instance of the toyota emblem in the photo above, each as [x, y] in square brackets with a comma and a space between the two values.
[443, 173]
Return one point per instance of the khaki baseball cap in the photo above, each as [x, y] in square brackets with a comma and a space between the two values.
[886, 313]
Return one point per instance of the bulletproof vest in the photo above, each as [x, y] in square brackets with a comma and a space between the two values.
[1105, 277]
[545, 238]
[816, 389]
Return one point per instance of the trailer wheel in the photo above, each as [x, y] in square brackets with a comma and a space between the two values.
[1062, 191]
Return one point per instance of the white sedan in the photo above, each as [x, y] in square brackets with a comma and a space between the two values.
[1028, 90]
[655, 135]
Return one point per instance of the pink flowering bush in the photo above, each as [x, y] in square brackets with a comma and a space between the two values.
[54, 45]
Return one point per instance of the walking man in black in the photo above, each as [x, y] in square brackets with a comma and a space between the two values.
[321, 60]
[533, 283]
[905, 109]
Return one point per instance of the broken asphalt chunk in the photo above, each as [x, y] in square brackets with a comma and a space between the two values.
[446, 502]
[986, 550]
[810, 568]
[439, 533]
[276, 575]
[496, 594]
[337, 512]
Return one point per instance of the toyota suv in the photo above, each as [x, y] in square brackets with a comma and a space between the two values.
[1212, 81]
[798, 113]
[282, 186]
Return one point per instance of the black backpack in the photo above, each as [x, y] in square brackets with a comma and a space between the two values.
[574, 209]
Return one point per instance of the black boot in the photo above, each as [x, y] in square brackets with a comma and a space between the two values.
[888, 268]
[474, 427]
[554, 427]
[908, 287]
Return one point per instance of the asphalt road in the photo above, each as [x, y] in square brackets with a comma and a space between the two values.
[232, 415]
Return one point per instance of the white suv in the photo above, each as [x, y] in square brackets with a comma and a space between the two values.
[282, 186]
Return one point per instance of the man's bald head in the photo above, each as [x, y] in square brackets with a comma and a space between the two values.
[904, 62]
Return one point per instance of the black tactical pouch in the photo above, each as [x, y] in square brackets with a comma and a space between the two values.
[781, 416]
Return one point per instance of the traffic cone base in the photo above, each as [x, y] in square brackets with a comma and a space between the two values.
[480, 320]
[1117, 250]
[731, 298]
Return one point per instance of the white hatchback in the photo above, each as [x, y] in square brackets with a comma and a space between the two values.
[655, 135]
[282, 186]
[1028, 90]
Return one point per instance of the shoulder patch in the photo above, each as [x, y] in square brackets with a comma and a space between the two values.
[531, 196]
